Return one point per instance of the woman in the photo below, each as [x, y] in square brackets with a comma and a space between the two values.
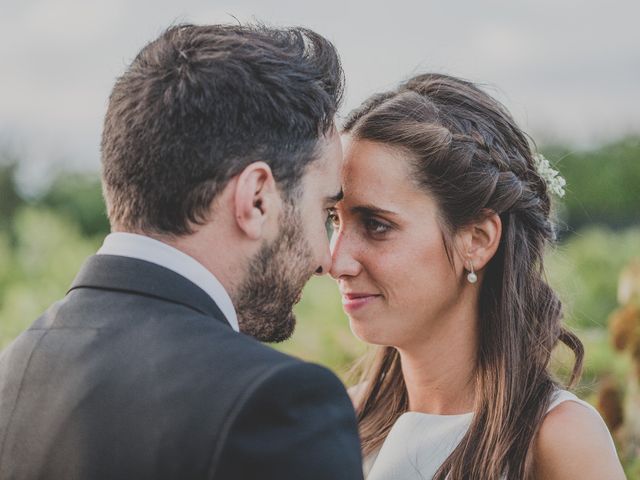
[438, 252]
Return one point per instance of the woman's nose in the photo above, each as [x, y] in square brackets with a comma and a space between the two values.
[343, 256]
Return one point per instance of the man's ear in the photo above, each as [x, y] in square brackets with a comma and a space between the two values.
[479, 241]
[256, 199]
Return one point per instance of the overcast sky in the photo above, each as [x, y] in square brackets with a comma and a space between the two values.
[569, 70]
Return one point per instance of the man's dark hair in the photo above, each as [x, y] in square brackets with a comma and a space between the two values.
[199, 104]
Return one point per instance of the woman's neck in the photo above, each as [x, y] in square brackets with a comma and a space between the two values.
[439, 371]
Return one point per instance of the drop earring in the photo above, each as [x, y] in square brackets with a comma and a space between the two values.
[472, 277]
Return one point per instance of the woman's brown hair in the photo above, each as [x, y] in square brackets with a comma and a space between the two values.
[470, 156]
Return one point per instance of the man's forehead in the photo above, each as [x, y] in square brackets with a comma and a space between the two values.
[329, 159]
[331, 145]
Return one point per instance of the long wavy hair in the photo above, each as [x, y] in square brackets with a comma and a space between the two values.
[467, 152]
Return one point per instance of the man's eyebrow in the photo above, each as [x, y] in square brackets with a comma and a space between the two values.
[369, 209]
[335, 198]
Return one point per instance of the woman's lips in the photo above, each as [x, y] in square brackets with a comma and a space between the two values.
[354, 301]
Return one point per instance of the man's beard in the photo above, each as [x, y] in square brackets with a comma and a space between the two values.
[274, 283]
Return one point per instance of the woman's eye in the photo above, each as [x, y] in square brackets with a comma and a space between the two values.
[375, 227]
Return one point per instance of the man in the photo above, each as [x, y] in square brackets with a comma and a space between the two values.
[220, 160]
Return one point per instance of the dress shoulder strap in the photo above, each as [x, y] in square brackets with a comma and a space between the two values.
[561, 396]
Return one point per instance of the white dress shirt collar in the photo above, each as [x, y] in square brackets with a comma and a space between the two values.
[145, 248]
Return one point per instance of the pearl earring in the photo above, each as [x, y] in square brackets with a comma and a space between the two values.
[472, 277]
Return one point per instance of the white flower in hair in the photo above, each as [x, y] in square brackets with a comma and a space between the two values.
[555, 182]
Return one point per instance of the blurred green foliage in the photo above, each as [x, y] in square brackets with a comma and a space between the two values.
[78, 197]
[38, 270]
[10, 200]
[603, 184]
[584, 270]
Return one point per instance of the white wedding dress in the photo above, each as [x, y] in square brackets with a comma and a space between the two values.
[419, 443]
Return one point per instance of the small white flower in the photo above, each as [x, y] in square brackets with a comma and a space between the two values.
[555, 182]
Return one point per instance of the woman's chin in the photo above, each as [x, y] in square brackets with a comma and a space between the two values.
[368, 332]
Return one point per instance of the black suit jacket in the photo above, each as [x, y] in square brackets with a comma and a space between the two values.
[136, 374]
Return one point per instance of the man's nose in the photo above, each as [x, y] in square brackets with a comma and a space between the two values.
[325, 262]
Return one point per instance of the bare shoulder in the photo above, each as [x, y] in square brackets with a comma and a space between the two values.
[573, 442]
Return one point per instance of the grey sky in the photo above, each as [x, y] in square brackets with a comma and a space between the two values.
[568, 70]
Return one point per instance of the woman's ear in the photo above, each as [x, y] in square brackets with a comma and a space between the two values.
[256, 200]
[479, 241]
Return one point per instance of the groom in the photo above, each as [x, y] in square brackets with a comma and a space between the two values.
[220, 160]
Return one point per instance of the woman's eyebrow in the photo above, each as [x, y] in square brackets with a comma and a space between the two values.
[369, 209]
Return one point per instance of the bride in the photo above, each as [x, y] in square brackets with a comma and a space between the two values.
[438, 252]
